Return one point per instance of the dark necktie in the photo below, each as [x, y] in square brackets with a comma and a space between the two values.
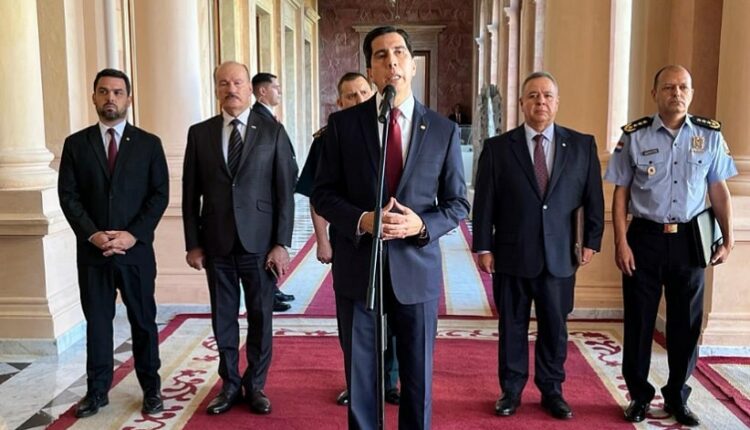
[393, 159]
[235, 148]
[540, 164]
[111, 150]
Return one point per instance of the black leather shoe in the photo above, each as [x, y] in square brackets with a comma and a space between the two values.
[636, 411]
[343, 398]
[557, 407]
[507, 405]
[279, 306]
[392, 396]
[223, 402]
[90, 404]
[283, 297]
[152, 404]
[259, 403]
[682, 414]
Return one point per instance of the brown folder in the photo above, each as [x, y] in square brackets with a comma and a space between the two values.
[578, 235]
[707, 235]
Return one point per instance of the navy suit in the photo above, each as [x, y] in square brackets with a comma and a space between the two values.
[132, 198]
[432, 185]
[531, 238]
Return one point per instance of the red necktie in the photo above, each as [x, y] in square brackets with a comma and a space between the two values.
[393, 160]
[111, 150]
[540, 164]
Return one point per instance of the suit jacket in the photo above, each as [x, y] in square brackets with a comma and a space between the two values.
[133, 198]
[432, 184]
[263, 111]
[524, 229]
[257, 205]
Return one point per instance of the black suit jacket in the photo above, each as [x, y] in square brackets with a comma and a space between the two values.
[524, 229]
[257, 205]
[432, 184]
[263, 111]
[133, 198]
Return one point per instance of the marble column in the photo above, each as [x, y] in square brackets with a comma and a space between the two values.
[39, 308]
[727, 316]
[173, 89]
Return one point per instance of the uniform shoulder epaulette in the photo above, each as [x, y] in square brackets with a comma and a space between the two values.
[637, 124]
[320, 132]
[706, 122]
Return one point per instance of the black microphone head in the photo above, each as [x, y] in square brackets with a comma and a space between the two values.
[389, 92]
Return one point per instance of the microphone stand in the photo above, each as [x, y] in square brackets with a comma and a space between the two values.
[375, 288]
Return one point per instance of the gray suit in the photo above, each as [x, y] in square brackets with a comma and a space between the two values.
[237, 221]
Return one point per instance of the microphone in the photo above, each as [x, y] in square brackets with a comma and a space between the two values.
[388, 94]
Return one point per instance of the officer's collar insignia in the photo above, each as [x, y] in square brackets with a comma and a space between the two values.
[650, 151]
[698, 144]
[319, 133]
[706, 122]
[637, 124]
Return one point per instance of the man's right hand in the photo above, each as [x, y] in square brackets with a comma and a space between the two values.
[196, 258]
[486, 262]
[624, 258]
[100, 239]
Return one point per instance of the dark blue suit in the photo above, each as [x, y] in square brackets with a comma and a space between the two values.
[531, 238]
[432, 185]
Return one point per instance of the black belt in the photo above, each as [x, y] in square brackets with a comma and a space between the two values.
[657, 227]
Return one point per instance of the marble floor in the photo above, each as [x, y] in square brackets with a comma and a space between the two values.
[36, 390]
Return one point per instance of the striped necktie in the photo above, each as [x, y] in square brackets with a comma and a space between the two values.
[235, 148]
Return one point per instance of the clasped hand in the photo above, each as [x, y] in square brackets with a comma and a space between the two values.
[113, 241]
[399, 221]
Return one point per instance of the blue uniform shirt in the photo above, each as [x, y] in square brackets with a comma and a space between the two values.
[669, 176]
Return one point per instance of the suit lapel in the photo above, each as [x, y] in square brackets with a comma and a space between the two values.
[561, 155]
[97, 145]
[124, 151]
[419, 127]
[250, 131]
[521, 151]
[369, 128]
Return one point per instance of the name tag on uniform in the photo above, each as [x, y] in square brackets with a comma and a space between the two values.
[650, 151]
[698, 144]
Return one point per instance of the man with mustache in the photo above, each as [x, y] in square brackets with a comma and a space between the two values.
[238, 212]
[662, 168]
[114, 188]
[425, 198]
[530, 181]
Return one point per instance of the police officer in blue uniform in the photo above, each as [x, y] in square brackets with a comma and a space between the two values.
[662, 168]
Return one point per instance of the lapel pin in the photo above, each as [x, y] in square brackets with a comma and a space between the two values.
[128, 139]
[564, 144]
[423, 127]
[253, 127]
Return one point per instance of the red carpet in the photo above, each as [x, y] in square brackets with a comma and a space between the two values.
[306, 377]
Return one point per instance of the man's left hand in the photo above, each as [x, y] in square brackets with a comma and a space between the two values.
[400, 222]
[277, 261]
[120, 242]
[587, 255]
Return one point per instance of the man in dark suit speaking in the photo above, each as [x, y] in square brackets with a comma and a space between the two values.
[238, 211]
[530, 181]
[114, 188]
[426, 199]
